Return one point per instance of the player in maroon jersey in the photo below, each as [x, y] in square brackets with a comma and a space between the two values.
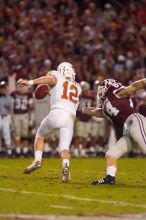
[23, 105]
[115, 104]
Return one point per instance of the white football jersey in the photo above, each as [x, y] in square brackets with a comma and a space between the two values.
[65, 94]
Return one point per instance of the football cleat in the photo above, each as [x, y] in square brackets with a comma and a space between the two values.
[108, 179]
[65, 174]
[32, 167]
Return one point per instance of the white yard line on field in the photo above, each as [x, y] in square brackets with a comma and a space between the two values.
[116, 203]
[61, 207]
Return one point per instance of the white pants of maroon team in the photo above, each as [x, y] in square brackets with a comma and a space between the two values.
[134, 131]
[5, 124]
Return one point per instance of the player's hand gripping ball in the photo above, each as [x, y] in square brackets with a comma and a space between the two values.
[41, 91]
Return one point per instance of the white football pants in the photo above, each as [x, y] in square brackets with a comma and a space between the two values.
[64, 121]
[134, 131]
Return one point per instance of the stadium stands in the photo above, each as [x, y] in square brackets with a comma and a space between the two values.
[101, 38]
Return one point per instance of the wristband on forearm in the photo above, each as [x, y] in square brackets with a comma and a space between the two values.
[30, 82]
[144, 81]
[82, 110]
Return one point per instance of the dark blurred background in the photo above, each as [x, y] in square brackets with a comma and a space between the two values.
[102, 39]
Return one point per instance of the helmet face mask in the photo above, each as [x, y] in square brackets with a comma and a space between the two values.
[102, 88]
[67, 70]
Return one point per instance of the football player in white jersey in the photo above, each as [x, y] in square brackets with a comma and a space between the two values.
[64, 103]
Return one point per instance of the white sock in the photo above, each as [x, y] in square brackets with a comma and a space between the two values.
[9, 151]
[25, 150]
[18, 150]
[111, 170]
[65, 162]
[38, 155]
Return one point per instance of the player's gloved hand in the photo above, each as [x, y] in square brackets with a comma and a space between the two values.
[88, 110]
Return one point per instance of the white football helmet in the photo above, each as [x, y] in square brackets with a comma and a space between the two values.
[66, 69]
[84, 85]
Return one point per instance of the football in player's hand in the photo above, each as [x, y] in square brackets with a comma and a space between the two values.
[41, 91]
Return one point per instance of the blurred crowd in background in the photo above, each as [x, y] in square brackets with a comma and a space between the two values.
[102, 39]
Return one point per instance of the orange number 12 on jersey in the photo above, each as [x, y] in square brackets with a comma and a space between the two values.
[73, 93]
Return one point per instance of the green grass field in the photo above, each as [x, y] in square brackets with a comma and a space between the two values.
[43, 193]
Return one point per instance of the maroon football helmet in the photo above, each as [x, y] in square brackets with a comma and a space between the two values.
[103, 87]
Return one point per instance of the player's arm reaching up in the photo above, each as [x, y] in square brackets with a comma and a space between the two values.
[131, 89]
[48, 79]
[123, 93]
[91, 111]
